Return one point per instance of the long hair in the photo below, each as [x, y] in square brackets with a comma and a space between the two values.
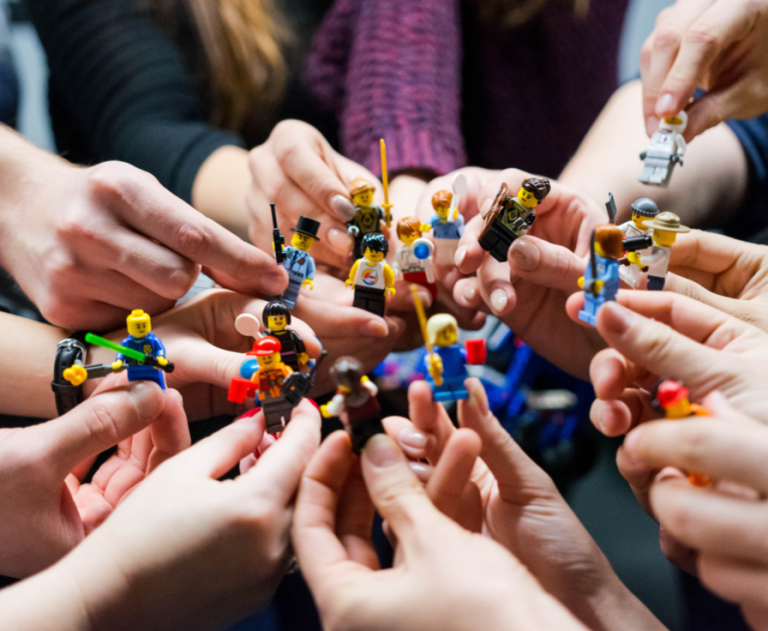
[511, 13]
[242, 41]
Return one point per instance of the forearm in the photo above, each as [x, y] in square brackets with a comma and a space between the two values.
[220, 188]
[615, 607]
[705, 192]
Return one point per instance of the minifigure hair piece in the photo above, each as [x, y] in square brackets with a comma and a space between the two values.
[376, 242]
[276, 308]
[348, 372]
[610, 239]
[442, 199]
[360, 185]
[437, 323]
[408, 226]
[538, 186]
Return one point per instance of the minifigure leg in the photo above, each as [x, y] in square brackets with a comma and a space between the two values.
[656, 283]
[591, 305]
[146, 373]
[291, 294]
[373, 301]
[361, 433]
[273, 414]
[497, 243]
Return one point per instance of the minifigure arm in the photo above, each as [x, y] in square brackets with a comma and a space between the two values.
[310, 276]
[352, 228]
[334, 407]
[655, 256]
[396, 265]
[425, 227]
[369, 385]
[350, 282]
[389, 280]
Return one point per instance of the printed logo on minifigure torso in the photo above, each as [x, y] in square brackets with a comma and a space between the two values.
[370, 277]
[368, 218]
[147, 349]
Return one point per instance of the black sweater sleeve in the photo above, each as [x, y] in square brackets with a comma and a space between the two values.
[123, 90]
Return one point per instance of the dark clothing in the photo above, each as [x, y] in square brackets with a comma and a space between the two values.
[751, 220]
[506, 227]
[372, 300]
[291, 346]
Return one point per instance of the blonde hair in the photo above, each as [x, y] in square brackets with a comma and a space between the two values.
[437, 323]
[242, 42]
[511, 13]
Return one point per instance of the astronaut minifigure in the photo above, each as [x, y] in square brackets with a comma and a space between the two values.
[666, 226]
[601, 278]
[642, 210]
[664, 151]
[298, 261]
[413, 261]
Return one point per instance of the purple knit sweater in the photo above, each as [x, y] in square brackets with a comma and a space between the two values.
[523, 97]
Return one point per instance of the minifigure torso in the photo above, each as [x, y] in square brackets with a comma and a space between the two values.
[271, 381]
[454, 361]
[407, 261]
[299, 264]
[368, 219]
[515, 217]
[657, 261]
[149, 345]
[447, 229]
[608, 272]
[370, 275]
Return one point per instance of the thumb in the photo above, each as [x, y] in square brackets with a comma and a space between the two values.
[396, 492]
[99, 424]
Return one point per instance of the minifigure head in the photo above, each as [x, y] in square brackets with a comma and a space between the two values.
[672, 399]
[533, 191]
[347, 373]
[441, 202]
[442, 330]
[608, 241]
[138, 323]
[361, 192]
[642, 210]
[675, 123]
[408, 230]
[276, 315]
[305, 233]
[375, 247]
[267, 351]
[666, 227]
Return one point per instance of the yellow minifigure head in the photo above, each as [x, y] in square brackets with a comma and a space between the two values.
[408, 230]
[361, 192]
[375, 247]
[305, 233]
[643, 209]
[276, 316]
[533, 191]
[608, 241]
[441, 202]
[138, 323]
[267, 351]
[442, 330]
[666, 227]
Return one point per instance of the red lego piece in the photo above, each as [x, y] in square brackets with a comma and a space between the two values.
[240, 389]
[476, 352]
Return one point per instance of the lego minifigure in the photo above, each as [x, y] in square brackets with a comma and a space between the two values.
[371, 277]
[277, 317]
[268, 382]
[601, 278]
[664, 151]
[671, 398]
[447, 227]
[666, 227]
[368, 218]
[298, 261]
[511, 217]
[140, 338]
[354, 402]
[413, 261]
[642, 210]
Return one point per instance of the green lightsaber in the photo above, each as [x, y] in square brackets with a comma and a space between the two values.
[90, 338]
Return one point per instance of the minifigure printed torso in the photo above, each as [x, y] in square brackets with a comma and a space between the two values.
[643, 209]
[666, 226]
[601, 278]
[298, 261]
[665, 149]
[446, 229]
[368, 218]
[413, 260]
[371, 277]
[142, 339]
[291, 346]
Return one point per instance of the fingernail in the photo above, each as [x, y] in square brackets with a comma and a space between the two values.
[340, 240]
[476, 399]
[631, 441]
[249, 413]
[469, 292]
[651, 125]
[499, 300]
[665, 103]
[525, 254]
[413, 438]
[274, 282]
[425, 297]
[617, 319]
[382, 451]
[144, 397]
[374, 328]
[422, 471]
[343, 208]
[459, 256]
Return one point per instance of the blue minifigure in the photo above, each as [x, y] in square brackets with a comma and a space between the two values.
[446, 361]
[298, 261]
[601, 278]
[140, 338]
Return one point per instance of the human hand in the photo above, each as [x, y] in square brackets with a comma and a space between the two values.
[723, 525]
[45, 511]
[519, 507]
[88, 244]
[529, 292]
[302, 174]
[468, 588]
[721, 46]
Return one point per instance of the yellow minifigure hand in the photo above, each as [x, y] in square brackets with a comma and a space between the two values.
[303, 358]
[390, 291]
[425, 227]
[324, 411]
[599, 284]
[117, 364]
[162, 361]
[350, 283]
[75, 374]
[455, 213]
[633, 257]
[581, 282]
[308, 283]
[436, 369]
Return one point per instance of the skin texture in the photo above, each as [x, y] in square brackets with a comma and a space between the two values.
[44, 509]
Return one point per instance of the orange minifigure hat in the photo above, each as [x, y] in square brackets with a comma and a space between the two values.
[671, 393]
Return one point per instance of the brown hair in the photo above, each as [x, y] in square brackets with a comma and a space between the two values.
[348, 372]
[442, 199]
[610, 239]
[511, 13]
[243, 65]
[408, 226]
[538, 186]
[360, 185]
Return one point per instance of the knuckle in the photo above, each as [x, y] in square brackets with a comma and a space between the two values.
[696, 447]
[703, 36]
[667, 37]
[191, 238]
[101, 425]
[679, 521]
[179, 280]
[114, 179]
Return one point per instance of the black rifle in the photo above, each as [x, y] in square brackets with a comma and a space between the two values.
[277, 238]
[298, 384]
[633, 244]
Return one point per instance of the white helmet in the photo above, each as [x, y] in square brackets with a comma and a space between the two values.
[677, 127]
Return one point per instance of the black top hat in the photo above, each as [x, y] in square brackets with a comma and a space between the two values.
[308, 227]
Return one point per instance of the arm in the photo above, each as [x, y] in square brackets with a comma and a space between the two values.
[389, 279]
[311, 270]
[350, 282]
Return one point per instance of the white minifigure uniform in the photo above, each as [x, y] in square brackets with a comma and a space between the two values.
[631, 274]
[657, 262]
[665, 143]
[406, 262]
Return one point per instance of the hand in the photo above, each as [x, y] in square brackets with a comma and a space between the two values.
[445, 577]
[301, 173]
[725, 526]
[88, 244]
[721, 46]
[519, 507]
[529, 292]
[44, 509]
[308, 283]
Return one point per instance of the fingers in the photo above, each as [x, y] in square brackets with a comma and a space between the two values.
[543, 263]
[451, 475]
[170, 431]
[98, 424]
[354, 519]
[738, 580]
[430, 420]
[470, 255]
